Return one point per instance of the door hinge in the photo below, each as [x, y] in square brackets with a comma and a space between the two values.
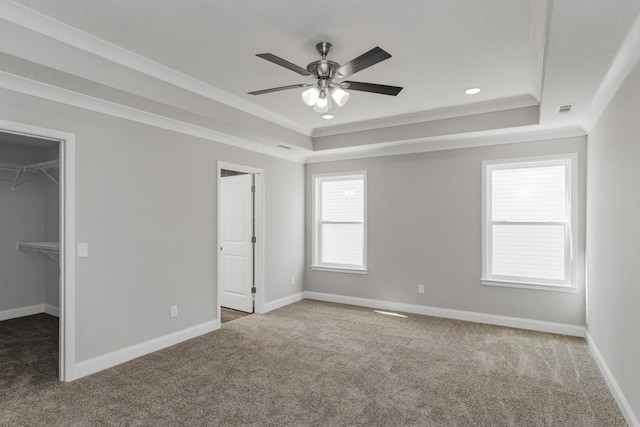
[253, 239]
[253, 290]
[253, 188]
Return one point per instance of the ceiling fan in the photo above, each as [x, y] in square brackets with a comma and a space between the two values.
[326, 75]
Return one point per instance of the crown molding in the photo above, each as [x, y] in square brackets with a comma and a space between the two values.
[540, 29]
[431, 115]
[37, 89]
[49, 27]
[448, 142]
[625, 61]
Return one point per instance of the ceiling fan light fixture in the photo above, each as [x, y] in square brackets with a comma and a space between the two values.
[340, 96]
[310, 96]
[322, 104]
[321, 109]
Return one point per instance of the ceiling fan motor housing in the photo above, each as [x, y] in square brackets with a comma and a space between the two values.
[323, 68]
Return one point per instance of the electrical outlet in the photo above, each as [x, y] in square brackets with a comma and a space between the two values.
[174, 311]
[83, 250]
[421, 289]
[293, 280]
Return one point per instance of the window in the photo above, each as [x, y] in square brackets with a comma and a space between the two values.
[340, 232]
[528, 217]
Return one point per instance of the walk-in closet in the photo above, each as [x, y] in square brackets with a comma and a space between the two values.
[29, 257]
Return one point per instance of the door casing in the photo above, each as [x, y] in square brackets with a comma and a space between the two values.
[67, 227]
[259, 209]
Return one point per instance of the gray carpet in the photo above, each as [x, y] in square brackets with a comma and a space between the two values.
[229, 315]
[28, 352]
[321, 364]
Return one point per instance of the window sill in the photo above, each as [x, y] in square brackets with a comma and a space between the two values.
[340, 269]
[529, 285]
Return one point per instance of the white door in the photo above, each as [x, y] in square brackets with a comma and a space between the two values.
[236, 242]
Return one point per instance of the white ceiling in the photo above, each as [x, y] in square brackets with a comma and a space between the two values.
[527, 56]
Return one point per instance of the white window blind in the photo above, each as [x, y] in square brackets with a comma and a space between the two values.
[339, 238]
[527, 227]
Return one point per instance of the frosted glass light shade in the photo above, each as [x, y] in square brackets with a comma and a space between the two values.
[340, 96]
[322, 105]
[310, 96]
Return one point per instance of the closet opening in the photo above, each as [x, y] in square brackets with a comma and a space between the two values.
[31, 283]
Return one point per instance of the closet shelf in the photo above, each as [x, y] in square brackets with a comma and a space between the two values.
[51, 249]
[28, 171]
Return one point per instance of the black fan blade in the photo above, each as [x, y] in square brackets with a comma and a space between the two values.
[372, 87]
[363, 61]
[276, 89]
[284, 63]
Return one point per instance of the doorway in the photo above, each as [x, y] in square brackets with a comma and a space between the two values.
[38, 173]
[240, 240]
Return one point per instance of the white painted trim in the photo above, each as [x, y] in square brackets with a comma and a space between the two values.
[340, 269]
[14, 313]
[430, 115]
[528, 285]
[67, 237]
[67, 302]
[97, 364]
[52, 93]
[469, 316]
[51, 310]
[260, 209]
[447, 142]
[570, 162]
[617, 393]
[316, 241]
[279, 303]
[623, 64]
[49, 27]
[539, 36]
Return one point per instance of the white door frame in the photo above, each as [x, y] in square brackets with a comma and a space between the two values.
[259, 211]
[67, 236]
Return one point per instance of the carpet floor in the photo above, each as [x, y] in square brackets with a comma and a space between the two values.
[319, 364]
[229, 315]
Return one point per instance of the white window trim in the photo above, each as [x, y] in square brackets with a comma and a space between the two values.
[315, 239]
[571, 162]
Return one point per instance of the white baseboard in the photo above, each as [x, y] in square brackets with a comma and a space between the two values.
[52, 310]
[29, 311]
[625, 408]
[282, 302]
[469, 316]
[91, 366]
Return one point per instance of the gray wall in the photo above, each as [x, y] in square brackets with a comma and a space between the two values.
[52, 234]
[52, 231]
[146, 205]
[21, 220]
[613, 212]
[424, 226]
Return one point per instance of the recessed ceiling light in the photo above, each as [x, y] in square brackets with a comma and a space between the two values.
[472, 91]
[327, 116]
